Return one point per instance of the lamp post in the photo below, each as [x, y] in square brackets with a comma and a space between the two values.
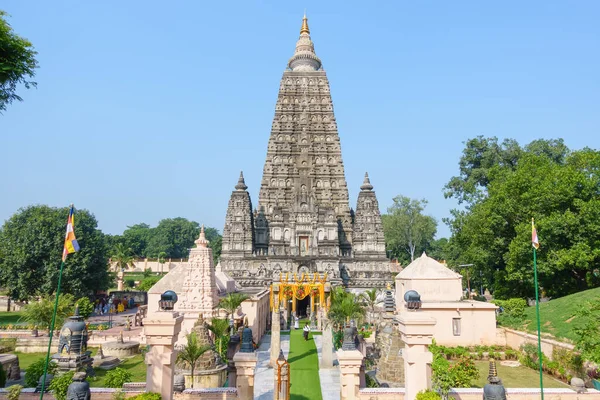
[468, 281]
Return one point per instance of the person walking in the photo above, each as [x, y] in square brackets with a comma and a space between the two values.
[306, 331]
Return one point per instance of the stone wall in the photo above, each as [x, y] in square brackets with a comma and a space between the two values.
[7, 304]
[154, 266]
[257, 310]
[515, 339]
[107, 394]
[477, 394]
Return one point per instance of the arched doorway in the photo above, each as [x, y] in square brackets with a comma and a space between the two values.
[303, 307]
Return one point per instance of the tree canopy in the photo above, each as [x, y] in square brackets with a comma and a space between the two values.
[407, 231]
[171, 238]
[31, 244]
[17, 63]
[544, 180]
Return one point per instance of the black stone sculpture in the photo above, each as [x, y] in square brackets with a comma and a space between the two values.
[247, 346]
[79, 389]
[494, 390]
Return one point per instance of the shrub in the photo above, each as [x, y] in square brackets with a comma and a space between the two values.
[60, 384]
[147, 283]
[117, 377]
[428, 395]
[130, 283]
[34, 372]
[586, 331]
[13, 392]
[370, 382]
[512, 308]
[147, 396]
[118, 395]
[7, 345]
[338, 339]
[86, 307]
[147, 272]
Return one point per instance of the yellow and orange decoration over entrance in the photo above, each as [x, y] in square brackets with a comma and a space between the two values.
[298, 287]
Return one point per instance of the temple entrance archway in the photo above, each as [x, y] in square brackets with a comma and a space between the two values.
[302, 307]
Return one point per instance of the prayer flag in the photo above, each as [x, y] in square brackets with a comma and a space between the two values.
[71, 245]
[534, 236]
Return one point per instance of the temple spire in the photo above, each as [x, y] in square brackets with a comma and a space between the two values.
[304, 58]
[304, 28]
[366, 183]
[241, 185]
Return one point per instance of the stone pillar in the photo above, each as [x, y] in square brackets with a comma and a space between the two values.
[351, 362]
[245, 363]
[119, 280]
[161, 330]
[327, 351]
[416, 329]
[275, 329]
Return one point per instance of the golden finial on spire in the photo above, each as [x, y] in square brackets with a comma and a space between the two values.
[304, 28]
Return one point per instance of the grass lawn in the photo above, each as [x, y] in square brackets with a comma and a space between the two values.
[135, 365]
[557, 316]
[304, 364]
[515, 377]
[10, 317]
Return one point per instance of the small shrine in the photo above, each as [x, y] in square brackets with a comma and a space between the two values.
[73, 354]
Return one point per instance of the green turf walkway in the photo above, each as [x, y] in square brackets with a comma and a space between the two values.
[304, 363]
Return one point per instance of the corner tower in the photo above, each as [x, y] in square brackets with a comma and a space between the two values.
[304, 223]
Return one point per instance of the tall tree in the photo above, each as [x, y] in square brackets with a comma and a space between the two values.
[174, 236]
[137, 237]
[17, 63]
[557, 187]
[31, 244]
[407, 230]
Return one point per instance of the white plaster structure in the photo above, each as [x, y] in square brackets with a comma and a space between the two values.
[459, 322]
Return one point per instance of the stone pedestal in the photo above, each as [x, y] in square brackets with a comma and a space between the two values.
[351, 362]
[161, 330]
[416, 329]
[327, 354]
[390, 368]
[245, 363]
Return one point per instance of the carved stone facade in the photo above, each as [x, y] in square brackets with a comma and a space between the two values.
[304, 223]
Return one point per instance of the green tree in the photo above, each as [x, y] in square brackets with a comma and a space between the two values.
[174, 236]
[31, 244]
[407, 230]
[220, 329]
[40, 312]
[137, 237]
[191, 352]
[586, 331]
[147, 283]
[17, 63]
[557, 187]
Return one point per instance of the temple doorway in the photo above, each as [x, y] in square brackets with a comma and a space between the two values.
[302, 306]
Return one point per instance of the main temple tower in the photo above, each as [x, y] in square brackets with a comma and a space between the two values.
[304, 223]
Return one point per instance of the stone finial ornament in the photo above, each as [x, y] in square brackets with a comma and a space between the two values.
[201, 241]
[241, 185]
[79, 389]
[366, 186]
[494, 390]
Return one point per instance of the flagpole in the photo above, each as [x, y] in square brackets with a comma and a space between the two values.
[62, 264]
[537, 312]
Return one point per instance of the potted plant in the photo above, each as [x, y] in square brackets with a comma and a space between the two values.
[594, 375]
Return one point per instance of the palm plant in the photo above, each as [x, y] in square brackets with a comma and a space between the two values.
[344, 306]
[231, 303]
[40, 312]
[123, 258]
[191, 353]
[369, 299]
[219, 327]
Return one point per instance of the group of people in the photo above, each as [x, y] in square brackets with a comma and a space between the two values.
[104, 305]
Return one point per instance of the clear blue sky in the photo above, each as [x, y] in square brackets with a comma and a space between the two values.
[149, 109]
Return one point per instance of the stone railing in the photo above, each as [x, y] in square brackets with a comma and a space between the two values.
[477, 394]
[108, 394]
